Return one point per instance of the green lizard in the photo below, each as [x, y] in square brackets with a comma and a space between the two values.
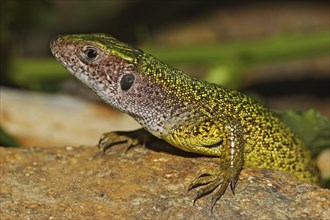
[190, 114]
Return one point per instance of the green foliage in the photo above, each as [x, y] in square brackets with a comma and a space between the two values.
[311, 127]
[233, 58]
[6, 139]
[37, 73]
[226, 63]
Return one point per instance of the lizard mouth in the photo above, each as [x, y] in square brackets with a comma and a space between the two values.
[55, 47]
[66, 53]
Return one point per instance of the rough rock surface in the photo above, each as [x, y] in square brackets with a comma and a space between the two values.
[49, 182]
[144, 183]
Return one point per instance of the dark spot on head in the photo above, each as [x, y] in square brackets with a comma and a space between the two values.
[127, 81]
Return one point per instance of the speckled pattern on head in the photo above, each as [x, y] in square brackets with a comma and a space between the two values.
[188, 113]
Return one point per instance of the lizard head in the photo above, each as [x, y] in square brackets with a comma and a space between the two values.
[103, 63]
[120, 74]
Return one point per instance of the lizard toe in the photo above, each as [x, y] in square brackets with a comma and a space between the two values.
[214, 181]
[208, 188]
[129, 138]
[200, 181]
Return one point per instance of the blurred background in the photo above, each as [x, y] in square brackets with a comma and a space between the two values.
[276, 51]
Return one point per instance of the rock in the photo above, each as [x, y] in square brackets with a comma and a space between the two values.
[144, 183]
[48, 182]
[323, 163]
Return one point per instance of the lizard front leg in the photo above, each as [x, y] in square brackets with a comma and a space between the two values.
[218, 179]
[130, 138]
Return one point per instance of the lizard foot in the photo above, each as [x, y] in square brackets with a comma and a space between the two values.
[130, 138]
[216, 181]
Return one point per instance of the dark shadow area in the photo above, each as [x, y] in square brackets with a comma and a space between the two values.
[307, 86]
[162, 146]
[154, 15]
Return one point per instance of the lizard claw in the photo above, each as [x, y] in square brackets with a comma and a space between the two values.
[216, 181]
[130, 138]
[110, 139]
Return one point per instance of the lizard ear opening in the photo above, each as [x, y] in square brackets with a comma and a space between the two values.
[127, 81]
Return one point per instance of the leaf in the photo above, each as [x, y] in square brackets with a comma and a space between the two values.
[310, 126]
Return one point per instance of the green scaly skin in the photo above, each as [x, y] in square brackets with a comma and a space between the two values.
[188, 113]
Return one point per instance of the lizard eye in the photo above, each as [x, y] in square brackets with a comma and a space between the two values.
[127, 81]
[90, 53]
